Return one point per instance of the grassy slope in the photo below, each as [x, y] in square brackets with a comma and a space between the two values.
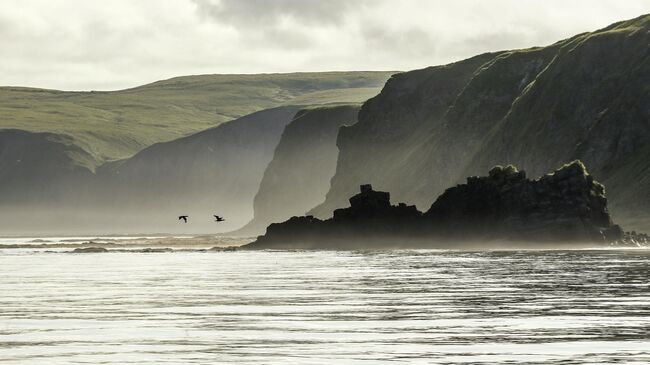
[115, 124]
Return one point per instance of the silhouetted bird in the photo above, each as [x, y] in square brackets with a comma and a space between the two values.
[218, 219]
[183, 217]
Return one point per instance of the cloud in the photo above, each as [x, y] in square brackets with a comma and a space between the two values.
[264, 13]
[80, 44]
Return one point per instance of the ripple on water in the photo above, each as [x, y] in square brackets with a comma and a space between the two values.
[558, 307]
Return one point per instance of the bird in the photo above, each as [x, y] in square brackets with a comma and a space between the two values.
[183, 217]
[218, 219]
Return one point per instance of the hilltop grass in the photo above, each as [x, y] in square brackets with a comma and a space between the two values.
[112, 125]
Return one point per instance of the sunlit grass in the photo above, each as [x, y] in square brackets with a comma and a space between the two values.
[115, 124]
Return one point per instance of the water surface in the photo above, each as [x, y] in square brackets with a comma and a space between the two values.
[426, 307]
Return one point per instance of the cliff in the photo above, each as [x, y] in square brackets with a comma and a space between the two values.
[585, 98]
[304, 161]
[216, 171]
[565, 207]
[130, 161]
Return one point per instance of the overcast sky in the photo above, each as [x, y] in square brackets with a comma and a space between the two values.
[113, 44]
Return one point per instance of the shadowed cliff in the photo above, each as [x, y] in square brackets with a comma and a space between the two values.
[587, 97]
[304, 161]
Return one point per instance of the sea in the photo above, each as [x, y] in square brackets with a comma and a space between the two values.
[193, 305]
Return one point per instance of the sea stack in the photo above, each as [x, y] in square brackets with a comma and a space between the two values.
[565, 207]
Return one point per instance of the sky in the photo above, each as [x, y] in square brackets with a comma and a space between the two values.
[116, 44]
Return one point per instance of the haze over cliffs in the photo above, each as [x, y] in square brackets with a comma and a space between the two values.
[216, 171]
[132, 161]
[304, 161]
[587, 98]
[211, 172]
[67, 180]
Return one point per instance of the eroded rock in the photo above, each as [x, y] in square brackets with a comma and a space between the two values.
[563, 207]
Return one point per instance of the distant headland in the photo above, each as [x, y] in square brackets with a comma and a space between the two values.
[504, 209]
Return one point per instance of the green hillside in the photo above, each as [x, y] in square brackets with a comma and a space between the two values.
[112, 125]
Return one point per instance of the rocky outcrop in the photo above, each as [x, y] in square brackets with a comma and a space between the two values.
[566, 205]
[563, 207]
[370, 222]
[304, 161]
[581, 98]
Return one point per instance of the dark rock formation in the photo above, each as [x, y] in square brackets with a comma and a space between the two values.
[567, 205]
[370, 218]
[563, 207]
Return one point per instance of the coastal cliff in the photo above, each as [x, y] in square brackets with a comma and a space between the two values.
[304, 161]
[584, 98]
[216, 171]
[565, 207]
[131, 161]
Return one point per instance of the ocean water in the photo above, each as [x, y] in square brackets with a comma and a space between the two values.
[275, 307]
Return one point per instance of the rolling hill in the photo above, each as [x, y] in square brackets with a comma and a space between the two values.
[113, 125]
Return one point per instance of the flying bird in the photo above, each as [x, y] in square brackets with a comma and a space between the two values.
[218, 219]
[183, 217]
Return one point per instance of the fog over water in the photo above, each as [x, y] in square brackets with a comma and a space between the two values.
[551, 307]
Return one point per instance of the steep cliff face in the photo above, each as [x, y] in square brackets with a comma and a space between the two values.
[587, 97]
[304, 161]
[407, 111]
